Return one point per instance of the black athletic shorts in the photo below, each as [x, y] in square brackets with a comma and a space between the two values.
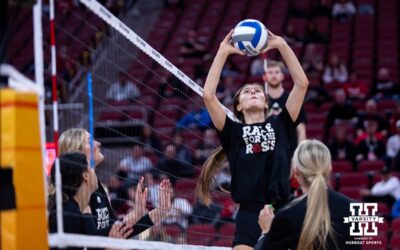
[247, 229]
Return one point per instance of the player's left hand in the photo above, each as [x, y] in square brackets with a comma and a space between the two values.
[274, 42]
[265, 218]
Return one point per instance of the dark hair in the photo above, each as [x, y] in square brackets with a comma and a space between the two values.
[72, 166]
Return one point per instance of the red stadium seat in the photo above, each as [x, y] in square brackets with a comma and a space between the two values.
[396, 226]
[172, 230]
[383, 209]
[395, 242]
[365, 166]
[222, 243]
[342, 167]
[351, 192]
[111, 116]
[186, 184]
[359, 180]
[200, 234]
[227, 229]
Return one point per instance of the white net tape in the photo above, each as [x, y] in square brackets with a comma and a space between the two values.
[77, 240]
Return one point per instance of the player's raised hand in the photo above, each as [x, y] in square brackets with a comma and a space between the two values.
[226, 46]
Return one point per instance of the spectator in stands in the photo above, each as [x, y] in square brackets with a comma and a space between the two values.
[74, 140]
[179, 213]
[183, 152]
[387, 190]
[343, 9]
[79, 183]
[230, 70]
[385, 88]
[393, 149]
[257, 67]
[313, 35]
[371, 146]
[158, 233]
[396, 209]
[117, 192]
[371, 113]
[192, 47]
[208, 144]
[171, 86]
[322, 8]
[196, 117]
[172, 167]
[315, 220]
[201, 69]
[153, 186]
[222, 178]
[174, 3]
[151, 142]
[394, 117]
[278, 96]
[312, 61]
[291, 36]
[317, 95]
[335, 71]
[341, 110]
[122, 90]
[205, 214]
[137, 164]
[366, 9]
[226, 89]
[356, 89]
[341, 147]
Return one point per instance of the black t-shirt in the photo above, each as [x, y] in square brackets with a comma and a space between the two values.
[278, 103]
[103, 215]
[259, 158]
[76, 222]
[288, 222]
[101, 208]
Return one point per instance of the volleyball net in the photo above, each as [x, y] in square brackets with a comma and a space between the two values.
[153, 125]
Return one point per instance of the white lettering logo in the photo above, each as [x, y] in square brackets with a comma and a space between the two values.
[103, 217]
[363, 219]
[259, 139]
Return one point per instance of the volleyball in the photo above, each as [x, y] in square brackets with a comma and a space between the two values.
[250, 36]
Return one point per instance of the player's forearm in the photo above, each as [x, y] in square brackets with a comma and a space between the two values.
[210, 87]
[294, 66]
[157, 214]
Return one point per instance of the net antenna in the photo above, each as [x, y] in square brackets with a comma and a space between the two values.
[117, 24]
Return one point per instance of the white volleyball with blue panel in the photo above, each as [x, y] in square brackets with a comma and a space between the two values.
[250, 36]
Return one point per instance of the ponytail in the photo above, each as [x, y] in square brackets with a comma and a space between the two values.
[317, 221]
[312, 161]
[207, 173]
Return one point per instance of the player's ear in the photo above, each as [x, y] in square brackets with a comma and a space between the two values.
[239, 108]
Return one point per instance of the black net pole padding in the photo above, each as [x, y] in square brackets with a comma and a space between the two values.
[7, 191]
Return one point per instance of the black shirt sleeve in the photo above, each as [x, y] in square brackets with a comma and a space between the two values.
[288, 124]
[226, 134]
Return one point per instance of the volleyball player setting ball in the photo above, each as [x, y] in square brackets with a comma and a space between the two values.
[257, 147]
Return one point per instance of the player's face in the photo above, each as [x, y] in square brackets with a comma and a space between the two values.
[252, 97]
[274, 76]
[98, 156]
